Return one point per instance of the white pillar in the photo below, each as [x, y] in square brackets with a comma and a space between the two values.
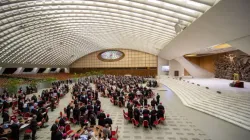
[57, 70]
[66, 70]
[1, 70]
[161, 62]
[19, 70]
[47, 70]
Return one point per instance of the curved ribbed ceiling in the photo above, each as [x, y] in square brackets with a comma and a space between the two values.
[58, 32]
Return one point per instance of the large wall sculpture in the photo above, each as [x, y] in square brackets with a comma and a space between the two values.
[229, 63]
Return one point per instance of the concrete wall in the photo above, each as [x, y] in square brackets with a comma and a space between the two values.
[175, 66]
[161, 62]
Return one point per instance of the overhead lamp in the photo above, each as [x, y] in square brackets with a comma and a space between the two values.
[222, 46]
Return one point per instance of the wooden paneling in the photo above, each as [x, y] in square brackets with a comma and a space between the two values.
[119, 71]
[205, 62]
[131, 59]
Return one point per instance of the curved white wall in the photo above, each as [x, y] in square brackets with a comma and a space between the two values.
[226, 22]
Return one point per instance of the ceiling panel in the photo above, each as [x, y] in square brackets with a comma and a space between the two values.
[58, 32]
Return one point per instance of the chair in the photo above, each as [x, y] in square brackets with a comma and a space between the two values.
[26, 115]
[72, 120]
[68, 129]
[145, 124]
[162, 119]
[113, 133]
[13, 117]
[136, 123]
[27, 133]
[111, 100]
[125, 113]
[156, 122]
[126, 117]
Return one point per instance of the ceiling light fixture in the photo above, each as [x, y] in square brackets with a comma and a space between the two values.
[222, 46]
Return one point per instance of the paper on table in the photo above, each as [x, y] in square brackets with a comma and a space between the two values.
[23, 126]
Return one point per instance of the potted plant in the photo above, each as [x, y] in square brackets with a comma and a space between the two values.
[12, 85]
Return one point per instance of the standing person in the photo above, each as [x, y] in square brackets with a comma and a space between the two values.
[54, 129]
[14, 130]
[130, 110]
[76, 113]
[101, 118]
[146, 113]
[153, 116]
[5, 104]
[145, 100]
[92, 120]
[109, 121]
[153, 103]
[141, 101]
[59, 134]
[33, 127]
[6, 116]
[137, 114]
[52, 103]
[158, 98]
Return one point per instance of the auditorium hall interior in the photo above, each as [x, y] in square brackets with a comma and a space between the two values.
[124, 70]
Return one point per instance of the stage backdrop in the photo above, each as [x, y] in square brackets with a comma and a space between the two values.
[224, 65]
[133, 62]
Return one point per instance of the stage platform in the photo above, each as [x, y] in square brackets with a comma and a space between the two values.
[222, 85]
[231, 104]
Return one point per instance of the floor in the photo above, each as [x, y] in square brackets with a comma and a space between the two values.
[182, 122]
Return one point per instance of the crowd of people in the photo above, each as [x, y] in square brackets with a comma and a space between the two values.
[152, 83]
[84, 109]
[32, 112]
[132, 89]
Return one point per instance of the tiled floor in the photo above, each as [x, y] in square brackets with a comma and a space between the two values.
[180, 124]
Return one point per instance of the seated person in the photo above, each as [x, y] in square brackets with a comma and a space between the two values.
[106, 131]
[62, 121]
[6, 116]
[108, 120]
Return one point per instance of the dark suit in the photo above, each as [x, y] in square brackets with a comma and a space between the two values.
[15, 131]
[58, 136]
[62, 122]
[6, 117]
[33, 127]
[108, 121]
[146, 113]
[101, 118]
[137, 114]
[53, 130]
